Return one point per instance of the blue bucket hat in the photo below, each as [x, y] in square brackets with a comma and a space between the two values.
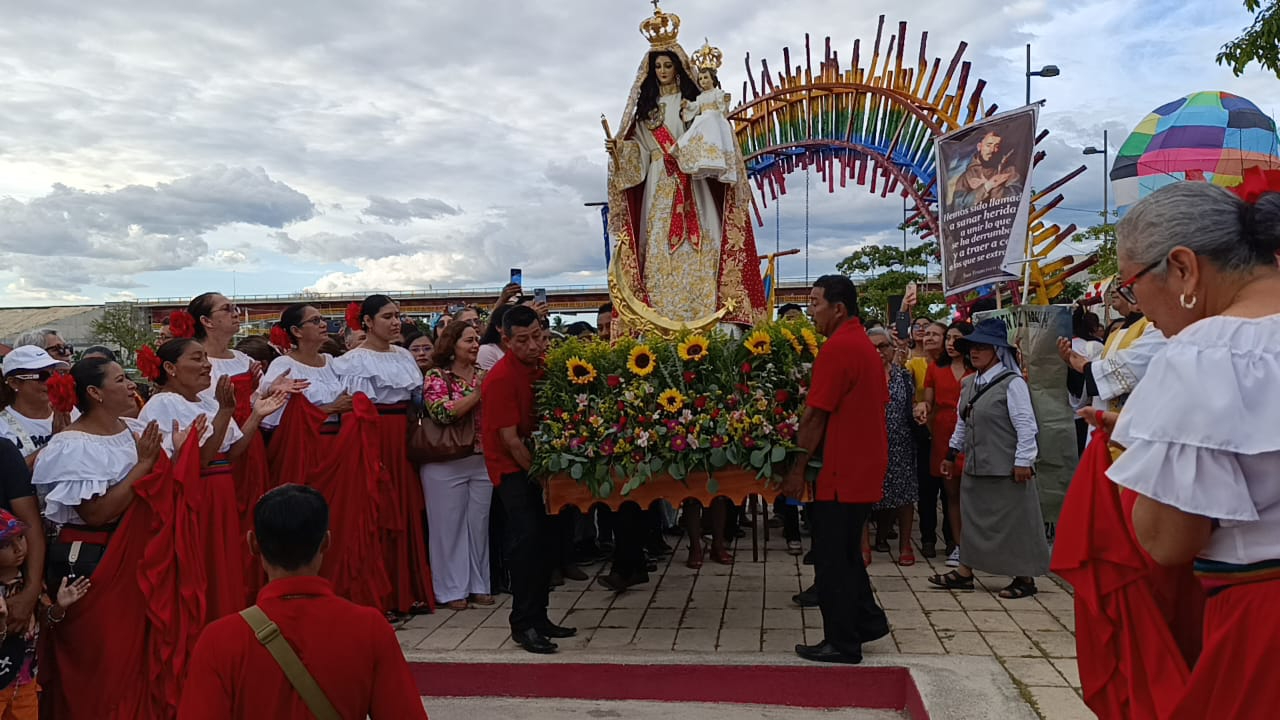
[988, 332]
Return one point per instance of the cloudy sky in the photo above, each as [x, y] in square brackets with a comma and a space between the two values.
[151, 148]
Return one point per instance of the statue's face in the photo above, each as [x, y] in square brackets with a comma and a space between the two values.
[706, 82]
[665, 69]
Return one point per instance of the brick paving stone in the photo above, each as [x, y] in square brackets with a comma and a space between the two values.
[1055, 644]
[987, 620]
[696, 640]
[1012, 644]
[611, 638]
[444, 639]
[812, 617]
[1059, 703]
[1069, 669]
[662, 618]
[410, 638]
[791, 618]
[738, 640]
[793, 584]
[950, 620]
[978, 601]
[884, 646]
[486, 639]
[938, 600]
[745, 599]
[1037, 619]
[502, 619]
[746, 618]
[960, 642]
[584, 618]
[747, 582]
[633, 599]
[702, 618]
[426, 622]
[655, 638]
[578, 642]
[669, 599]
[779, 599]
[914, 619]
[918, 642]
[890, 584]
[714, 600]
[898, 601]
[595, 600]
[782, 639]
[1035, 671]
[622, 618]
[465, 619]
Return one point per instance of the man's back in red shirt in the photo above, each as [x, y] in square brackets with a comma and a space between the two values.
[349, 649]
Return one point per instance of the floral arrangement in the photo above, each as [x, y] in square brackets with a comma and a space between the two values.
[181, 324]
[624, 413]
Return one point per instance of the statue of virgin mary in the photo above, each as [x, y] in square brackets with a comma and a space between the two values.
[683, 246]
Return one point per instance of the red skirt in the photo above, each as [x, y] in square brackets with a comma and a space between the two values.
[346, 467]
[251, 480]
[218, 528]
[401, 515]
[1236, 675]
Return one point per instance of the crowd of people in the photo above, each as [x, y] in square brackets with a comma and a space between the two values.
[134, 515]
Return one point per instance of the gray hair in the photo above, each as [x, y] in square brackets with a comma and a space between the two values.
[35, 337]
[1208, 220]
[872, 332]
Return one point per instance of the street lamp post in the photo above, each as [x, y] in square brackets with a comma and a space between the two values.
[1091, 150]
[1047, 71]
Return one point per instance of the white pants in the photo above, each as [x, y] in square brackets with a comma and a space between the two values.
[458, 494]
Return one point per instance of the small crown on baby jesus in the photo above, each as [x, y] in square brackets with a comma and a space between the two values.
[707, 57]
[662, 29]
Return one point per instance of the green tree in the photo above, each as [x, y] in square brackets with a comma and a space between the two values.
[1260, 42]
[1105, 237]
[893, 268]
[123, 326]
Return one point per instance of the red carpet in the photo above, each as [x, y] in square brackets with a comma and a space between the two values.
[878, 688]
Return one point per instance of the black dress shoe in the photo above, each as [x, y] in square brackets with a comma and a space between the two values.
[552, 630]
[808, 558]
[826, 652]
[807, 597]
[657, 547]
[556, 579]
[574, 573]
[533, 641]
[618, 583]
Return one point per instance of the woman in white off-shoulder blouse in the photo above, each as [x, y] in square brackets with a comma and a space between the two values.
[1201, 432]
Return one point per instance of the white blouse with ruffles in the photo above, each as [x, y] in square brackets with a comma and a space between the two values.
[1201, 433]
[325, 386]
[76, 466]
[386, 377]
[165, 407]
[232, 366]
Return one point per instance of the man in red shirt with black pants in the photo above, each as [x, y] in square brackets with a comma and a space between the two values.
[845, 416]
[507, 421]
[349, 651]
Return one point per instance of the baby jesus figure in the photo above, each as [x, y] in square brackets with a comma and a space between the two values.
[708, 150]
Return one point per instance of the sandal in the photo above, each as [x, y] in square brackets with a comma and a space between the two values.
[1018, 589]
[906, 558]
[724, 557]
[485, 600]
[952, 581]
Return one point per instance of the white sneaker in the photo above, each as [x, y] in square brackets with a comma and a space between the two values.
[953, 560]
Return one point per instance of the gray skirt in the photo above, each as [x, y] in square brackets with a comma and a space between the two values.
[1003, 531]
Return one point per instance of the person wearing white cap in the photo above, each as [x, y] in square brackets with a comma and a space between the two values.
[28, 420]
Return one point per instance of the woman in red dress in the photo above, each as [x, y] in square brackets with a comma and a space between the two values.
[388, 375]
[181, 379]
[325, 438]
[941, 396]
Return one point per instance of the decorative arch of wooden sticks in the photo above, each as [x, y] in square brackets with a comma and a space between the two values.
[876, 125]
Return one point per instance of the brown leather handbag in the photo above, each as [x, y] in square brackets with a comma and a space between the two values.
[428, 441]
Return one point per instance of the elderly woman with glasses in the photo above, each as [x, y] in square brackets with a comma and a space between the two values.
[1002, 529]
[1202, 450]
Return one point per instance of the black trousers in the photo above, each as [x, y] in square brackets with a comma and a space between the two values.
[790, 515]
[931, 490]
[529, 550]
[849, 610]
[631, 526]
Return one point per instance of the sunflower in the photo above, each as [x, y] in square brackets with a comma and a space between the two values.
[580, 371]
[642, 361]
[791, 338]
[694, 349]
[759, 343]
[671, 401]
[810, 339]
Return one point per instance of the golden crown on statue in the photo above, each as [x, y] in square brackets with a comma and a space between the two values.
[662, 29]
[708, 57]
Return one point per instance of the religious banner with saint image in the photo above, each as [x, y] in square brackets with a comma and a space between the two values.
[984, 198]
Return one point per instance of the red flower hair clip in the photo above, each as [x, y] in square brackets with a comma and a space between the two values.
[353, 317]
[181, 324]
[62, 392]
[1256, 183]
[280, 339]
[149, 363]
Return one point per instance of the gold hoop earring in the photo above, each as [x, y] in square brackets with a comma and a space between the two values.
[1188, 305]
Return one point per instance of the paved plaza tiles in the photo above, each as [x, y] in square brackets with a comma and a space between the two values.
[971, 654]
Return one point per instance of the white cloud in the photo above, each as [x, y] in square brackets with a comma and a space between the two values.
[398, 212]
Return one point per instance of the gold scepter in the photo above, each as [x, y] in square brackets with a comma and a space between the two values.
[608, 135]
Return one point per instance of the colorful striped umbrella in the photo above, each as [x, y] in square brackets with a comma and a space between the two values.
[1206, 136]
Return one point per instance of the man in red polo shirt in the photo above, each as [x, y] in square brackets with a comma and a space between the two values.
[506, 424]
[349, 650]
[844, 415]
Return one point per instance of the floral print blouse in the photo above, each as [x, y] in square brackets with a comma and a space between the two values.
[441, 391]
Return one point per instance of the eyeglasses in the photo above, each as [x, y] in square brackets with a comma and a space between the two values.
[317, 321]
[883, 346]
[42, 376]
[60, 350]
[230, 308]
[1125, 290]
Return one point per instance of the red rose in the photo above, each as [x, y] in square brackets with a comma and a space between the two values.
[782, 396]
[181, 324]
[700, 403]
[148, 363]
[715, 414]
[352, 316]
[690, 376]
[613, 381]
[779, 411]
[746, 368]
[279, 338]
[621, 406]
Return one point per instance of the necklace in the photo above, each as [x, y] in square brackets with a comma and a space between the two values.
[671, 89]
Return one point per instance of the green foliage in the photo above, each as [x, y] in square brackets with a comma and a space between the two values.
[608, 421]
[894, 268]
[1105, 237]
[1260, 42]
[122, 325]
